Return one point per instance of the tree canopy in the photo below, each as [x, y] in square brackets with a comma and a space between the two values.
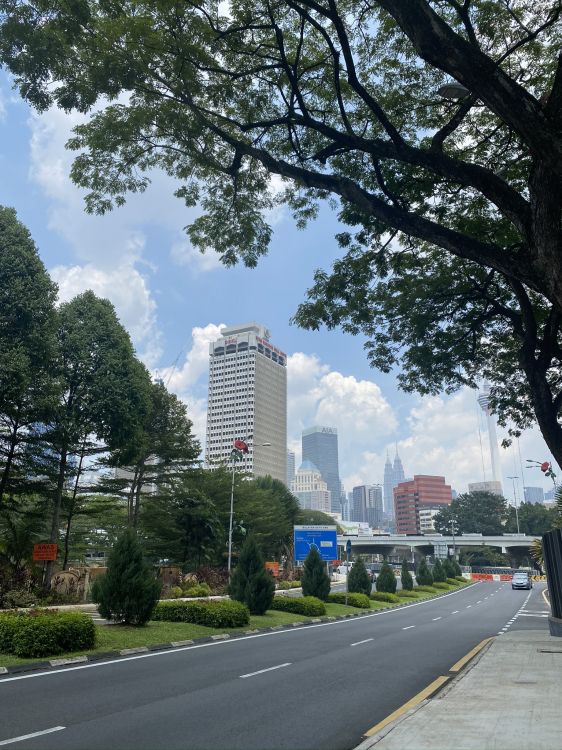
[474, 513]
[457, 186]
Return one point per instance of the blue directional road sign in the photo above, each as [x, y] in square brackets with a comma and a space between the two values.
[348, 547]
[324, 538]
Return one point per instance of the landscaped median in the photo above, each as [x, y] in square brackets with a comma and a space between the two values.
[26, 636]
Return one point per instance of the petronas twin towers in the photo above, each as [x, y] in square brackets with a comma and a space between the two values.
[393, 474]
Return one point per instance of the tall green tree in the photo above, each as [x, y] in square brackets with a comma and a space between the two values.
[386, 580]
[314, 579]
[27, 348]
[423, 574]
[157, 454]
[358, 579]
[459, 184]
[534, 519]
[406, 577]
[438, 572]
[104, 391]
[474, 513]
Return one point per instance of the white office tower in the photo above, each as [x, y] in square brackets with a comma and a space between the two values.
[484, 401]
[310, 489]
[290, 467]
[248, 401]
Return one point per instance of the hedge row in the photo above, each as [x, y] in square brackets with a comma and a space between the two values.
[214, 614]
[304, 605]
[45, 633]
[384, 596]
[289, 585]
[441, 585]
[353, 599]
[451, 581]
[406, 594]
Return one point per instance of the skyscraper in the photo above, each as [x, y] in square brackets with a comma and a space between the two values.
[290, 467]
[320, 446]
[393, 474]
[484, 401]
[367, 505]
[410, 497]
[248, 400]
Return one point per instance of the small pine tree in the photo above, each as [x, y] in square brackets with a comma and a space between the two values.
[129, 591]
[406, 577]
[386, 580]
[457, 568]
[449, 569]
[314, 579]
[251, 584]
[423, 576]
[438, 572]
[359, 580]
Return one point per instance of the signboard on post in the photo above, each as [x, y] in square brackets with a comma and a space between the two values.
[44, 552]
[324, 538]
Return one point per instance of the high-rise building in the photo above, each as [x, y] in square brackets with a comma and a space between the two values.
[393, 474]
[534, 495]
[320, 446]
[290, 467]
[310, 489]
[494, 487]
[248, 401]
[423, 491]
[367, 505]
[484, 401]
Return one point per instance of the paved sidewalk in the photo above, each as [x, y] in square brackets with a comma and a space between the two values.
[510, 697]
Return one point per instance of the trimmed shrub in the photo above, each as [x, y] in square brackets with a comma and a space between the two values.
[29, 635]
[461, 579]
[438, 572]
[304, 605]
[452, 581]
[407, 594]
[441, 585]
[19, 598]
[426, 589]
[385, 596]
[129, 591]
[251, 584]
[284, 585]
[213, 614]
[448, 568]
[315, 580]
[423, 576]
[175, 592]
[197, 589]
[354, 599]
[359, 581]
[406, 577]
[386, 580]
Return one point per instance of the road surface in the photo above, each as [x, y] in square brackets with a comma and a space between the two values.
[317, 686]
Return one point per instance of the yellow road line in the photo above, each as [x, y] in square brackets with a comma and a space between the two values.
[544, 593]
[422, 695]
[471, 654]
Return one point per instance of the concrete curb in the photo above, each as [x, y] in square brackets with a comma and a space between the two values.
[110, 655]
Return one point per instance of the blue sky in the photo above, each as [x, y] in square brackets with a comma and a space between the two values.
[173, 300]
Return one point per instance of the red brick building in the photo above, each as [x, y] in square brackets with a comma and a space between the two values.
[422, 491]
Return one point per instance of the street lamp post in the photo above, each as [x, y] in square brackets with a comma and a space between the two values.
[235, 454]
[515, 501]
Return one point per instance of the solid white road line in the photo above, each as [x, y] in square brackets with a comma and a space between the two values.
[530, 614]
[29, 736]
[436, 618]
[360, 642]
[261, 671]
[408, 627]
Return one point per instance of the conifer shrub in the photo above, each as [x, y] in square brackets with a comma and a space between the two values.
[304, 605]
[384, 596]
[438, 572]
[353, 600]
[386, 580]
[406, 577]
[423, 575]
[213, 614]
[314, 579]
[129, 591]
[251, 584]
[359, 581]
[449, 568]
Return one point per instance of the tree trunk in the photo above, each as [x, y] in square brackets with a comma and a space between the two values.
[9, 460]
[56, 516]
[72, 505]
[138, 498]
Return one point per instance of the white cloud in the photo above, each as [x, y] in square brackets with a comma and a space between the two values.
[184, 254]
[128, 290]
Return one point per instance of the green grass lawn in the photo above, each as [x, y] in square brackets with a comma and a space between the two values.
[116, 637]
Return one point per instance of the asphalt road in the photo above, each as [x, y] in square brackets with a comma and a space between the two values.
[318, 686]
